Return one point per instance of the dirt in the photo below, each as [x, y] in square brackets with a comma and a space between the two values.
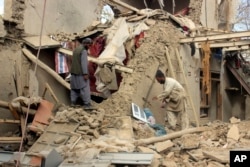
[152, 49]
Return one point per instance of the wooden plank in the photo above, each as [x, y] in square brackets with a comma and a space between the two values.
[87, 34]
[127, 158]
[171, 69]
[46, 42]
[215, 37]
[8, 121]
[187, 89]
[218, 155]
[125, 5]
[228, 44]
[14, 112]
[5, 104]
[235, 48]
[47, 87]
[137, 18]
[170, 136]
[10, 139]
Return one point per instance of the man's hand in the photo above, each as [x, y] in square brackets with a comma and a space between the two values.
[163, 104]
[155, 98]
[85, 77]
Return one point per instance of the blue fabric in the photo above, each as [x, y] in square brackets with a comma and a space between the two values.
[159, 129]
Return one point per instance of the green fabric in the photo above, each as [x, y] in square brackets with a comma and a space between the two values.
[76, 61]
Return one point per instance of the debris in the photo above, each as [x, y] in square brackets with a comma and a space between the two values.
[233, 133]
[234, 120]
[163, 146]
[221, 156]
[170, 136]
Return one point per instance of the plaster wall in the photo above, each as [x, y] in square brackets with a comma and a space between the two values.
[8, 89]
[209, 14]
[226, 100]
[60, 16]
[42, 77]
[192, 73]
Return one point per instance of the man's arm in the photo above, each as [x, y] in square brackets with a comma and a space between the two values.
[168, 88]
[84, 64]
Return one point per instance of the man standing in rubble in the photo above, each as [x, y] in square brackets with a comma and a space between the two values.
[173, 100]
[79, 81]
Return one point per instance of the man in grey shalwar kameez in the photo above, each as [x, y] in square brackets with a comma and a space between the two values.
[79, 81]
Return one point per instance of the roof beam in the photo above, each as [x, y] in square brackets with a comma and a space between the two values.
[234, 48]
[228, 44]
[97, 61]
[215, 37]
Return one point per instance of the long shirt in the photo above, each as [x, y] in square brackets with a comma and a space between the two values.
[169, 85]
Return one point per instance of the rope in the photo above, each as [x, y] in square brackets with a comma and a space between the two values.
[37, 56]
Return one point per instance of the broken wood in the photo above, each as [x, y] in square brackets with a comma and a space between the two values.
[47, 87]
[218, 155]
[215, 37]
[9, 121]
[14, 112]
[137, 18]
[5, 104]
[33, 58]
[10, 139]
[170, 136]
[127, 6]
[171, 69]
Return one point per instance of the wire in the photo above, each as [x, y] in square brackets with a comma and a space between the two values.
[37, 57]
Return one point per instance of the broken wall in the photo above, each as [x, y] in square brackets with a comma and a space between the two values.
[219, 14]
[9, 59]
[60, 16]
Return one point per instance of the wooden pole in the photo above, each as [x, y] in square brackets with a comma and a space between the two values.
[170, 136]
[5, 104]
[187, 89]
[33, 58]
[127, 6]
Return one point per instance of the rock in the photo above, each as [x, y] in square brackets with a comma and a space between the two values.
[234, 120]
[233, 133]
[163, 146]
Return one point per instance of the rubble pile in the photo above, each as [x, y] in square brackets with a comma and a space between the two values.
[80, 135]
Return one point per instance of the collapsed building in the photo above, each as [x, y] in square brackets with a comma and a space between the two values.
[191, 41]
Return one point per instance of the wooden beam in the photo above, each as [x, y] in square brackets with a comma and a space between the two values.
[10, 139]
[228, 44]
[5, 104]
[235, 48]
[170, 136]
[215, 37]
[95, 60]
[8, 121]
[33, 58]
[47, 87]
[127, 6]
[171, 69]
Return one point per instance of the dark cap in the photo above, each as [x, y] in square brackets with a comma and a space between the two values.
[87, 41]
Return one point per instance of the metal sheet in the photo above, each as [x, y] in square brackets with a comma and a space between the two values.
[94, 163]
[128, 158]
[5, 156]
